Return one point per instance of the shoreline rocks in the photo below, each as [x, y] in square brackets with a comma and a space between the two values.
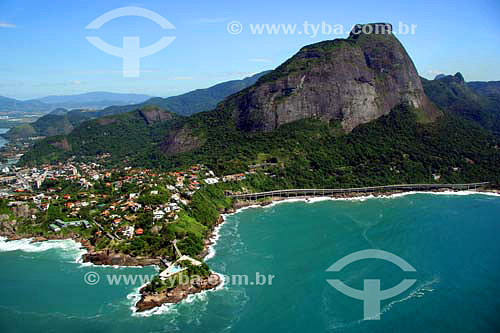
[209, 241]
[112, 258]
[175, 295]
[179, 293]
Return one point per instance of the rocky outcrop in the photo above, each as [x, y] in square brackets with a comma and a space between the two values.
[62, 144]
[154, 115]
[210, 239]
[107, 257]
[106, 121]
[177, 294]
[180, 141]
[353, 81]
[24, 211]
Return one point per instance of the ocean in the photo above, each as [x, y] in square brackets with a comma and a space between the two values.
[450, 240]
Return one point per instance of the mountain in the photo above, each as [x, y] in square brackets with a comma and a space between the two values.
[91, 100]
[354, 80]
[95, 100]
[490, 89]
[59, 121]
[185, 104]
[338, 113]
[203, 99]
[475, 101]
[14, 105]
[194, 101]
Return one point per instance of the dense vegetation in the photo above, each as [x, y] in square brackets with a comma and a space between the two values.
[308, 153]
[62, 121]
[394, 149]
[475, 101]
[190, 229]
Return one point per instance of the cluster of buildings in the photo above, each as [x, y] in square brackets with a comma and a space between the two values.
[112, 202]
[115, 200]
[16, 179]
[59, 224]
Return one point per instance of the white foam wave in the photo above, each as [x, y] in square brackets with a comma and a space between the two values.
[419, 292]
[170, 308]
[69, 247]
[27, 245]
[163, 309]
[213, 240]
[79, 260]
[311, 200]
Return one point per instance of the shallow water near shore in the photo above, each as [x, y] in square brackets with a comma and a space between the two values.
[451, 241]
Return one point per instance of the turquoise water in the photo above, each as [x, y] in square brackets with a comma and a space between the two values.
[451, 241]
[175, 269]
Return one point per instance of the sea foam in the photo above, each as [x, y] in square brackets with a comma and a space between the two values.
[27, 245]
[311, 200]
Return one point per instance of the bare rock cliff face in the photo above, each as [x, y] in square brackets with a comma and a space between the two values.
[180, 141]
[154, 115]
[354, 81]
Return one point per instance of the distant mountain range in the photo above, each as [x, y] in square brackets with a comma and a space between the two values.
[8, 105]
[194, 101]
[95, 100]
[62, 121]
[203, 99]
[91, 100]
[185, 104]
[339, 113]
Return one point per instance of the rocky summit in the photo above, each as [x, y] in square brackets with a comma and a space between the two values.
[354, 81]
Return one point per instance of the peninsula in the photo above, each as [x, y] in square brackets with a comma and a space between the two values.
[341, 118]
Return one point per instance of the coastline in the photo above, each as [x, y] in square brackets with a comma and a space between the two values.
[242, 205]
[146, 304]
[181, 293]
[87, 256]
[215, 234]
[136, 297]
[90, 255]
[141, 306]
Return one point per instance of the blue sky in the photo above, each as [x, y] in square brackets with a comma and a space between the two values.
[43, 48]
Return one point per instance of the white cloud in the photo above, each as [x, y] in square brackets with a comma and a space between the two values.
[75, 82]
[434, 72]
[7, 25]
[260, 60]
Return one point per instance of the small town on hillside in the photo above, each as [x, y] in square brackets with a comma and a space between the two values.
[111, 203]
